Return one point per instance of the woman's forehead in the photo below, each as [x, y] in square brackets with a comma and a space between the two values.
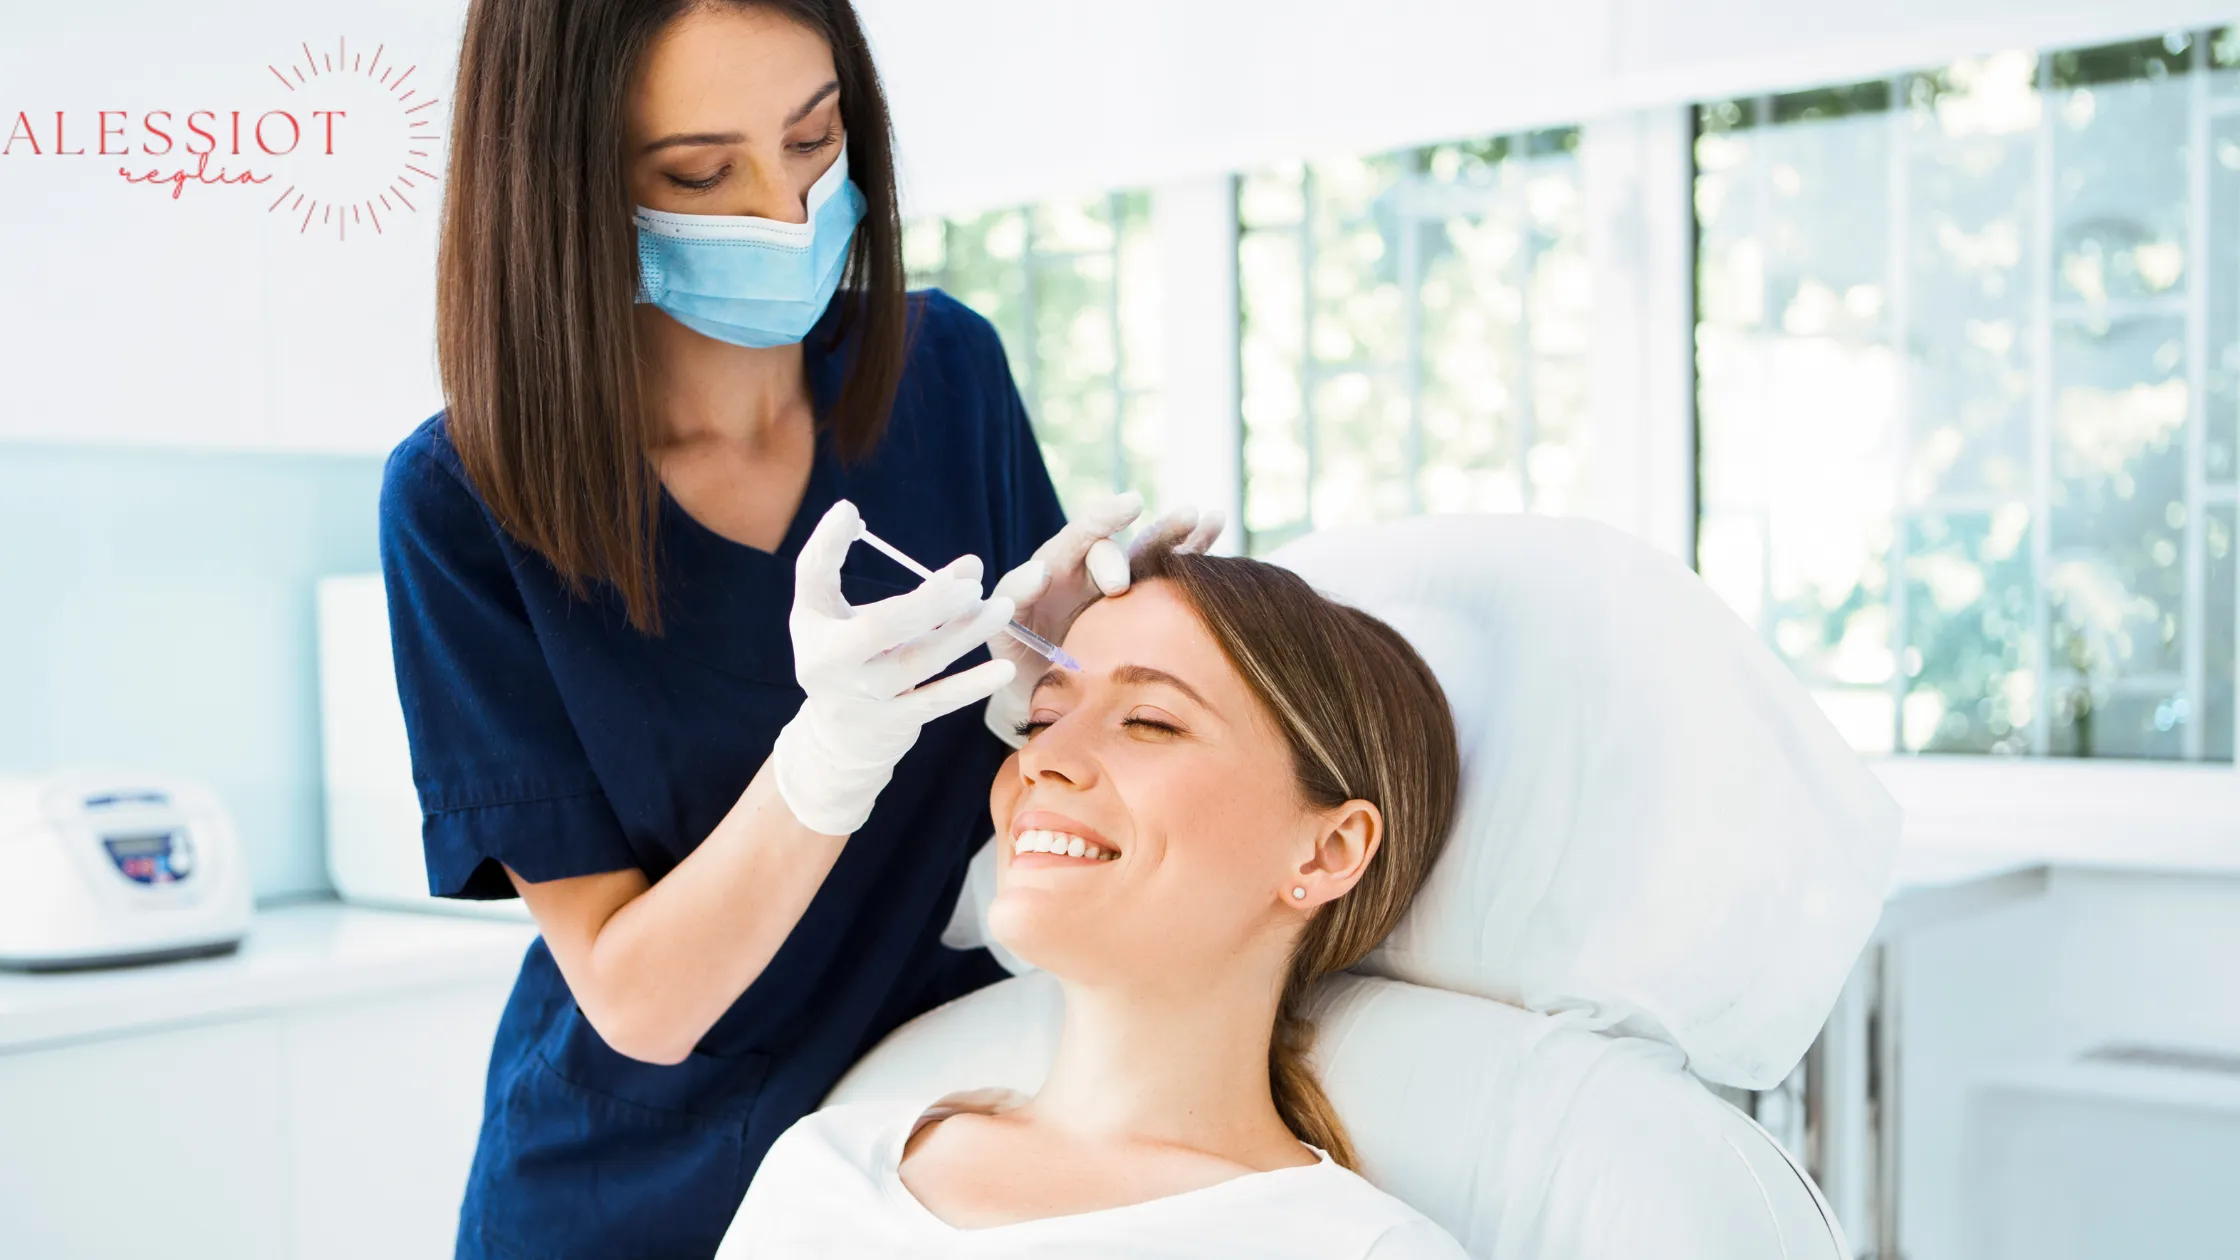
[1150, 617]
[1152, 627]
[720, 65]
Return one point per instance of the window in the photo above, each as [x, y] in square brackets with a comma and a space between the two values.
[1069, 285]
[1968, 352]
[1414, 334]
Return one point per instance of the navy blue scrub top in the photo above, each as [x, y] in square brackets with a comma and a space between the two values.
[549, 735]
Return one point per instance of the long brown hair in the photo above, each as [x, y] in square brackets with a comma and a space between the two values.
[537, 274]
[1366, 720]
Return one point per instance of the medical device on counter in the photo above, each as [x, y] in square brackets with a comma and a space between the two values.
[1049, 651]
[101, 869]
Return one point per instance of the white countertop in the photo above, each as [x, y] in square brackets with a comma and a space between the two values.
[293, 956]
[1936, 884]
[1937, 880]
[2074, 1077]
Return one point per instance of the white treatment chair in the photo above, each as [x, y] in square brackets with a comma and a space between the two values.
[1664, 865]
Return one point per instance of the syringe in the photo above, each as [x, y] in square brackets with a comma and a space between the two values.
[1049, 651]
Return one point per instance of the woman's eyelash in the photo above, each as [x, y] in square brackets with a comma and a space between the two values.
[804, 148]
[1027, 729]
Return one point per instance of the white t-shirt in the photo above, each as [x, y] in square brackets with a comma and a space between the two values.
[831, 1186]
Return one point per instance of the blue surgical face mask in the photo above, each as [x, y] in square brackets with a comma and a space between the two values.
[748, 280]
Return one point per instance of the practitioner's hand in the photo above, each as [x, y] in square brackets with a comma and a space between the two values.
[861, 667]
[1077, 566]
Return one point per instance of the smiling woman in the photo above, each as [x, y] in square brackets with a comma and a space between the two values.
[1240, 792]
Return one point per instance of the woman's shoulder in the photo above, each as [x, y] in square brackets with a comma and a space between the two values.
[1399, 1230]
[942, 313]
[1419, 1238]
[429, 441]
[821, 1186]
[428, 510]
[867, 1135]
[946, 330]
[957, 410]
[423, 470]
[849, 1133]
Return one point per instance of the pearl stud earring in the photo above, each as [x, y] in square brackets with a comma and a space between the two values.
[1298, 893]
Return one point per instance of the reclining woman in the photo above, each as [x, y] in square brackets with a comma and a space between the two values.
[1241, 791]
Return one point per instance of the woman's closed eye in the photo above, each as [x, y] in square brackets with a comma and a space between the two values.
[1158, 725]
[700, 185]
[819, 144]
[800, 148]
[1155, 727]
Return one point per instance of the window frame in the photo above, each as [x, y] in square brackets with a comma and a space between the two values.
[1028, 365]
[2092, 811]
[1418, 198]
[1639, 171]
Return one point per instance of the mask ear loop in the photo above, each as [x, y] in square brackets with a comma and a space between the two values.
[653, 274]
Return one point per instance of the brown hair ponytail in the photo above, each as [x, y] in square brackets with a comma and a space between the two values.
[1305, 1109]
[1365, 720]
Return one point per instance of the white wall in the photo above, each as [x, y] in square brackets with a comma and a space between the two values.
[1003, 101]
[127, 317]
[156, 616]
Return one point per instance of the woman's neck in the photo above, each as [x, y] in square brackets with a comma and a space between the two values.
[1184, 1061]
[702, 392]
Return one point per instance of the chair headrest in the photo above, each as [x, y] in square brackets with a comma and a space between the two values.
[1659, 833]
[1524, 1137]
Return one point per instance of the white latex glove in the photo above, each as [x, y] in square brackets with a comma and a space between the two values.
[860, 667]
[1077, 566]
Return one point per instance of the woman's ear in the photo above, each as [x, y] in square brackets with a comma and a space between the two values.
[1346, 838]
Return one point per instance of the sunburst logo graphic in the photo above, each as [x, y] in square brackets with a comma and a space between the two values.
[350, 140]
[372, 140]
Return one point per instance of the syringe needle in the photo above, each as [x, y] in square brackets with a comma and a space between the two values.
[1039, 645]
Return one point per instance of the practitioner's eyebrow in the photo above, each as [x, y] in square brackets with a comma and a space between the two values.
[814, 101]
[696, 138]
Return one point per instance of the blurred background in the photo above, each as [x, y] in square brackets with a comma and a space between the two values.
[1914, 328]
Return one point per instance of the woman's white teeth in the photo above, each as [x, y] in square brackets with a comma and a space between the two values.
[1040, 841]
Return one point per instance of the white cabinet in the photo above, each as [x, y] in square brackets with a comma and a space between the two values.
[166, 1145]
[2085, 1160]
[383, 1101]
[322, 1104]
